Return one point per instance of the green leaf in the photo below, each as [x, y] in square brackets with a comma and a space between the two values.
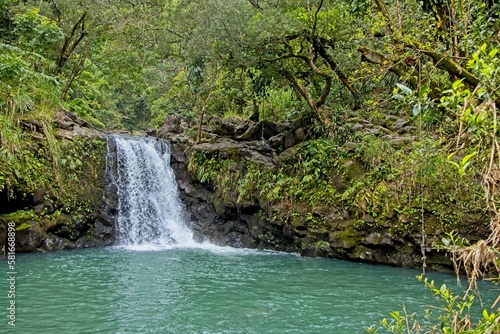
[423, 90]
[493, 53]
[417, 108]
[457, 84]
[404, 89]
[398, 97]
[483, 47]
[307, 178]
[465, 159]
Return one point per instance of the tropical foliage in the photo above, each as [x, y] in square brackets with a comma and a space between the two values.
[129, 64]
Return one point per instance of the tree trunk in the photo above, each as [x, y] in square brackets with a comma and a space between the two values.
[200, 124]
[76, 71]
[67, 49]
[399, 68]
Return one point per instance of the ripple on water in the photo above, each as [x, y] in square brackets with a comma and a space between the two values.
[207, 289]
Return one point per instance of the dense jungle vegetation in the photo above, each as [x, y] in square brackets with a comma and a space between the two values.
[129, 64]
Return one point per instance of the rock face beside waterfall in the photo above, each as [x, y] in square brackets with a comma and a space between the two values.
[260, 224]
[69, 211]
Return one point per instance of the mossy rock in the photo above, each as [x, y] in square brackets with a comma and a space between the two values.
[345, 239]
[30, 237]
[352, 170]
[18, 217]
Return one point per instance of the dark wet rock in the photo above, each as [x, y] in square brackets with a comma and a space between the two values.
[284, 126]
[103, 231]
[376, 238]
[38, 196]
[54, 243]
[177, 154]
[276, 142]
[333, 231]
[3, 238]
[299, 135]
[28, 239]
[262, 130]
[111, 198]
[229, 128]
[399, 123]
[172, 125]
[406, 129]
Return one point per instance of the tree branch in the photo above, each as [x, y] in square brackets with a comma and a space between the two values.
[76, 70]
[445, 62]
[67, 50]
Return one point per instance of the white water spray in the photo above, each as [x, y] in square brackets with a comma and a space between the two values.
[150, 214]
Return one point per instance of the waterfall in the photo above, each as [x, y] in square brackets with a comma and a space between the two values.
[149, 210]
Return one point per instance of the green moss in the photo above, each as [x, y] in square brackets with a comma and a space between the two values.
[18, 217]
[352, 171]
[322, 245]
[348, 238]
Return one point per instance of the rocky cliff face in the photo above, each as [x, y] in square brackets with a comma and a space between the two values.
[67, 209]
[278, 225]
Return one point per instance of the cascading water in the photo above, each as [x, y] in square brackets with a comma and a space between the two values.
[149, 211]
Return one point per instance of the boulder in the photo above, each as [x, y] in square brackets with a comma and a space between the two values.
[378, 239]
[54, 243]
[262, 130]
[173, 125]
[222, 147]
[284, 126]
[299, 135]
[399, 123]
[38, 196]
[29, 239]
[262, 160]
[398, 141]
[229, 128]
[276, 142]
[406, 129]
[289, 140]
[65, 117]
[286, 155]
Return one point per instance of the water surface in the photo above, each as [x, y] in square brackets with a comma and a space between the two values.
[215, 290]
